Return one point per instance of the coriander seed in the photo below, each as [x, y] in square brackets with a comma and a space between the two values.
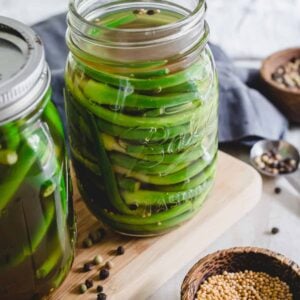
[109, 264]
[82, 288]
[98, 259]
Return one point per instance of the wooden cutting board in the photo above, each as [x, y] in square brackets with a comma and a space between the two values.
[149, 262]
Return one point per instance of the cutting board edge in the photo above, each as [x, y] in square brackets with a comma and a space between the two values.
[146, 287]
[255, 187]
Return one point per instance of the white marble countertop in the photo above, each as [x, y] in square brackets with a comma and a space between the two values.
[248, 30]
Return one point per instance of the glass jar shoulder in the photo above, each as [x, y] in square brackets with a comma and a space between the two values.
[141, 83]
[44, 122]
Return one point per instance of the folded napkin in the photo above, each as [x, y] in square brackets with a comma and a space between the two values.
[245, 115]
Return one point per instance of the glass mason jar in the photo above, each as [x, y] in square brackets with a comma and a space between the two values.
[141, 101]
[36, 214]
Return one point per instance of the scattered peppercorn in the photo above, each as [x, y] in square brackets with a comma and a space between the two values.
[98, 259]
[83, 288]
[275, 230]
[244, 285]
[277, 190]
[101, 296]
[103, 274]
[109, 264]
[120, 250]
[87, 267]
[89, 283]
[87, 243]
[99, 288]
[136, 11]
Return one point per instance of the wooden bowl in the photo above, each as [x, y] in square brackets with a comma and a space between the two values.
[288, 101]
[241, 259]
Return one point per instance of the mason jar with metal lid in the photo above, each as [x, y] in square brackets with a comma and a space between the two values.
[36, 214]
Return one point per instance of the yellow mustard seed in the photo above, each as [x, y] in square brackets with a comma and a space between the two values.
[245, 285]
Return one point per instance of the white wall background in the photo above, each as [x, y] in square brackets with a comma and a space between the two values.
[246, 29]
[31, 11]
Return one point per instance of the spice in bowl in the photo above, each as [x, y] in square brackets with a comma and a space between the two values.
[288, 75]
[244, 285]
[274, 163]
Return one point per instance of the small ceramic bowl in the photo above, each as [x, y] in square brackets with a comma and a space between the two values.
[287, 100]
[241, 259]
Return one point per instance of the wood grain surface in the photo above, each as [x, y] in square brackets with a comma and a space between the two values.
[149, 262]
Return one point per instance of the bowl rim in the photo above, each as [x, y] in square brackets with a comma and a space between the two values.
[266, 62]
[189, 278]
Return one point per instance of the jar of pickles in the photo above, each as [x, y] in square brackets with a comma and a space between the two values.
[142, 105]
[36, 214]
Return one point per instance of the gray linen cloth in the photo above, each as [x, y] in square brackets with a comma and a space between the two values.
[245, 114]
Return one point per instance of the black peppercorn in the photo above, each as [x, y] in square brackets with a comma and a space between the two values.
[275, 230]
[99, 288]
[277, 190]
[101, 296]
[89, 283]
[120, 250]
[87, 267]
[151, 12]
[103, 274]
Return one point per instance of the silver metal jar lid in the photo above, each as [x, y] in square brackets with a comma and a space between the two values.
[24, 73]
